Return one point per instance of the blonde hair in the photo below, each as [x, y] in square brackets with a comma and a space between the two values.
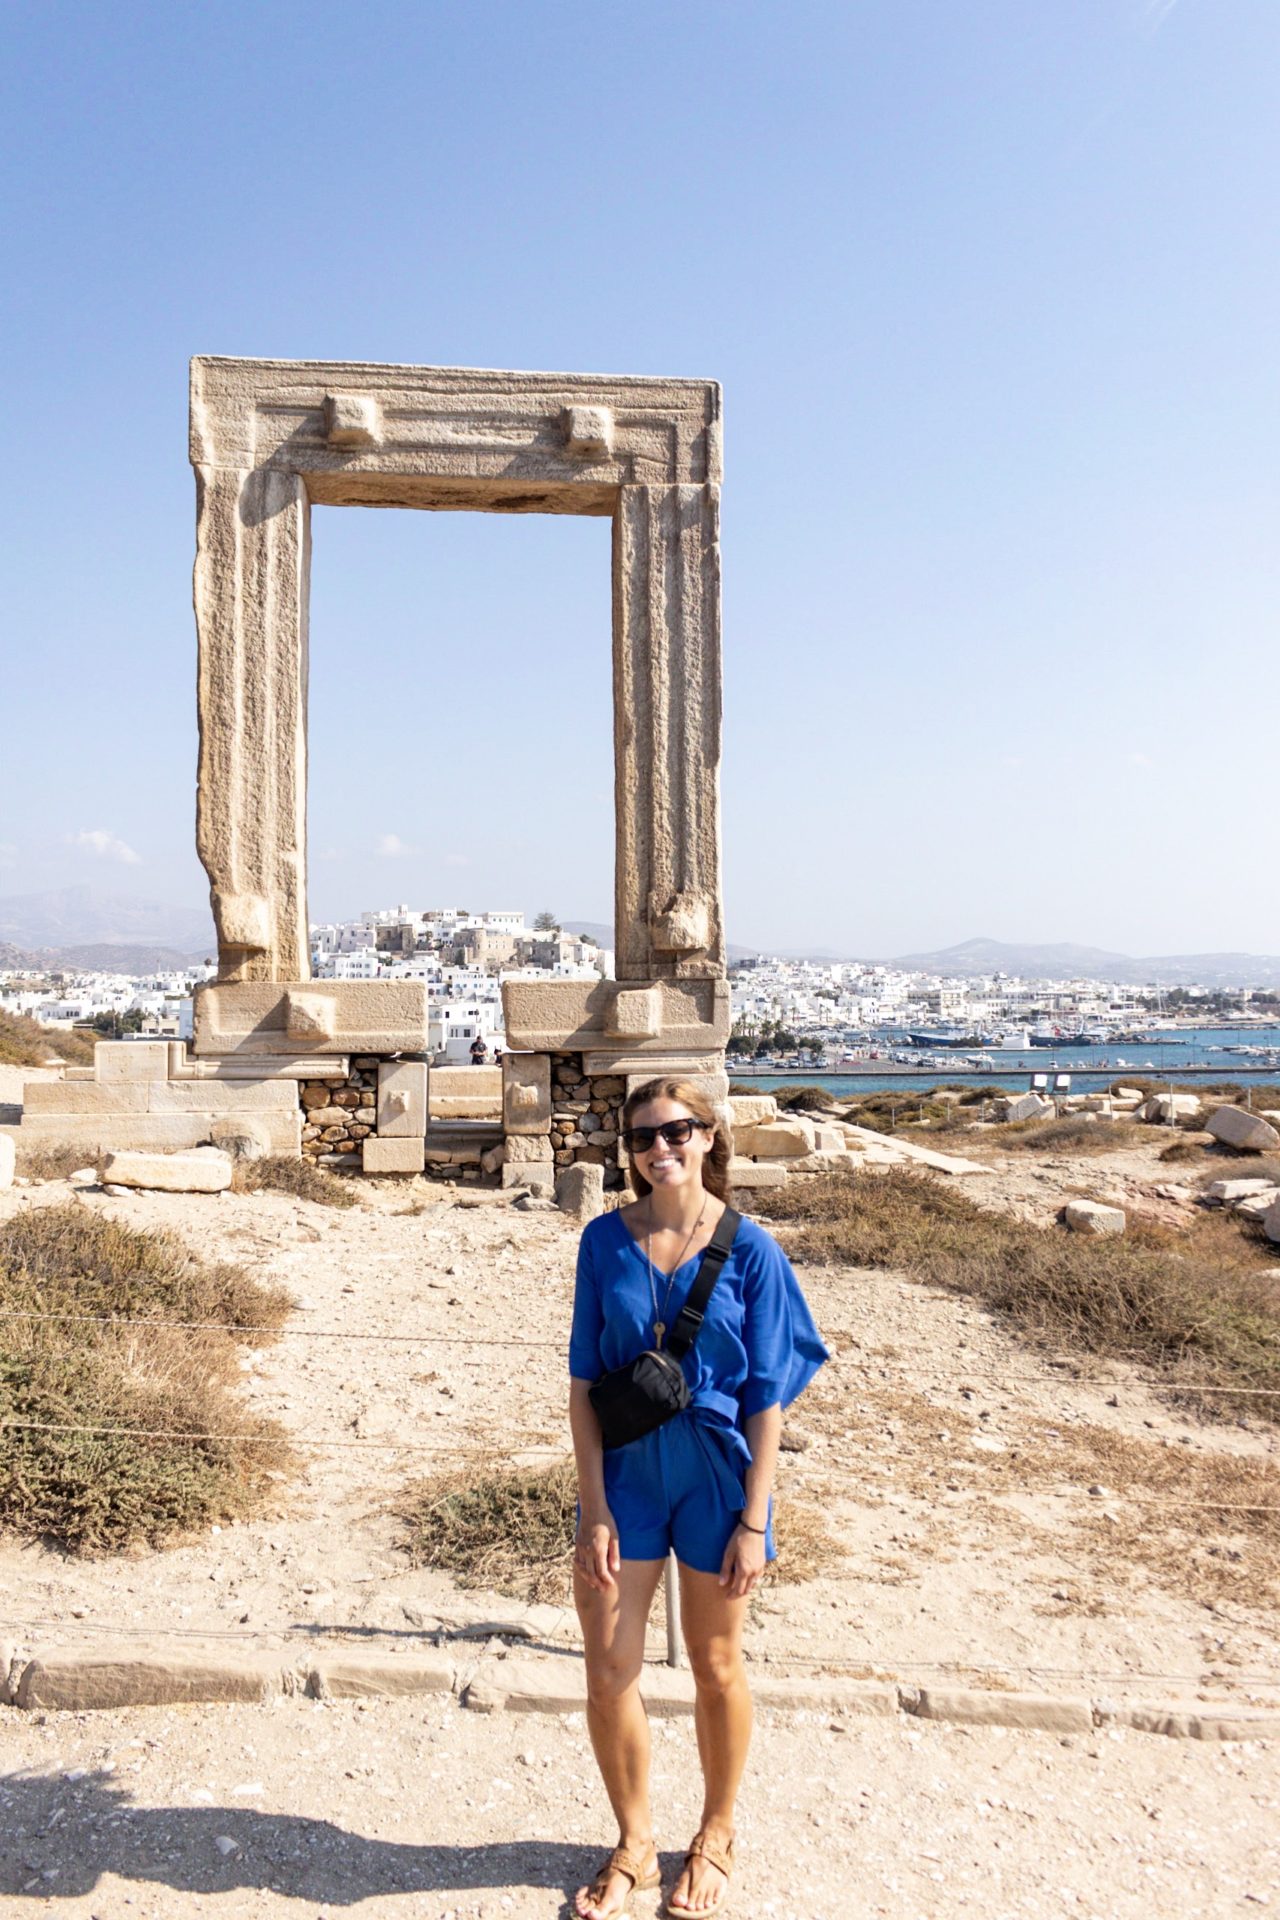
[715, 1165]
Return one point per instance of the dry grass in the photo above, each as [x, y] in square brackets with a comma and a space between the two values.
[1170, 1514]
[281, 1173]
[1151, 1296]
[41, 1160]
[1073, 1133]
[511, 1530]
[96, 1492]
[25, 1043]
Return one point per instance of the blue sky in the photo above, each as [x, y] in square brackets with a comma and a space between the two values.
[992, 290]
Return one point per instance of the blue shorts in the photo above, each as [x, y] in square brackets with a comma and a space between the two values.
[678, 1488]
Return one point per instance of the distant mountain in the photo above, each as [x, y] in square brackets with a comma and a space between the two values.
[1065, 961]
[85, 917]
[601, 931]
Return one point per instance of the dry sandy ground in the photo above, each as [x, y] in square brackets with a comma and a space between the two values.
[422, 1809]
[950, 1464]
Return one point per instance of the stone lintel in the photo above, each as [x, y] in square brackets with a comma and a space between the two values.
[269, 1017]
[318, 417]
[639, 1067]
[574, 1016]
[236, 1067]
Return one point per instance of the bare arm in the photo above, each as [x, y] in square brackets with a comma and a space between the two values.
[595, 1557]
[744, 1557]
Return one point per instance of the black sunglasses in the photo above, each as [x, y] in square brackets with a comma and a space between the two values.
[676, 1133]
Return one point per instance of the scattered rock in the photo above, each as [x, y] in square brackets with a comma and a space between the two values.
[1227, 1192]
[1090, 1216]
[580, 1191]
[1029, 1106]
[199, 1170]
[1171, 1106]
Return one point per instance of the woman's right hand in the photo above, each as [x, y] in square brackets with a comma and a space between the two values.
[596, 1558]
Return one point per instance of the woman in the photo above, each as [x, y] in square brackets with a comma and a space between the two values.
[700, 1484]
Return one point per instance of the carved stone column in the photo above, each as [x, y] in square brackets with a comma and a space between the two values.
[253, 542]
[666, 702]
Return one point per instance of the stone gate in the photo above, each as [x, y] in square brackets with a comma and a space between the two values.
[269, 437]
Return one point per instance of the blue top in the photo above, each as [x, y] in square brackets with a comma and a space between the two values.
[758, 1346]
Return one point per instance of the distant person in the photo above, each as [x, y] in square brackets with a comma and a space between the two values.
[698, 1482]
[479, 1051]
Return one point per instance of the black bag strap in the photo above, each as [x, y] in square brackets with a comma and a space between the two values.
[688, 1321]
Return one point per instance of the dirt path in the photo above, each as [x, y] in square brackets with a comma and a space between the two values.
[400, 1809]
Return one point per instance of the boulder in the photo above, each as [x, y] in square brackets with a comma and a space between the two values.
[200, 1170]
[1237, 1128]
[751, 1109]
[8, 1159]
[1090, 1216]
[243, 1138]
[580, 1191]
[1271, 1222]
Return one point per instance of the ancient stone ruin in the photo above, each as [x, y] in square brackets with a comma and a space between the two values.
[272, 1047]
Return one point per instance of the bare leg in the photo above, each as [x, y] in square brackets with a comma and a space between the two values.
[613, 1626]
[713, 1623]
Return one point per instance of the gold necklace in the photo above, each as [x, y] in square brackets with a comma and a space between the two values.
[660, 1324]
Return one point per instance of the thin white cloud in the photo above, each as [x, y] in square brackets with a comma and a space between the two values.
[8, 854]
[107, 846]
[390, 846]
[1141, 760]
[457, 860]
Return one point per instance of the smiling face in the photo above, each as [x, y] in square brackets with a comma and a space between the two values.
[665, 1166]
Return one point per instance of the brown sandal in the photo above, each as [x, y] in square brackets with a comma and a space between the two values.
[703, 1847]
[620, 1861]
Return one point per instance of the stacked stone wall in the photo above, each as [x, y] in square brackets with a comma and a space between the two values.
[340, 1113]
[586, 1114]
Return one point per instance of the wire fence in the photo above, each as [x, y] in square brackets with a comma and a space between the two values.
[504, 1449]
[1071, 1375]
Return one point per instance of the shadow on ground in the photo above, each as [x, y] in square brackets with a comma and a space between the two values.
[61, 1837]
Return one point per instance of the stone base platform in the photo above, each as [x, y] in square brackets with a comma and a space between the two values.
[135, 1098]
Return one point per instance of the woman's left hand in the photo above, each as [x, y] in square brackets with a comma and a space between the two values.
[743, 1563]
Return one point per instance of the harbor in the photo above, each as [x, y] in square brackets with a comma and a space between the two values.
[1192, 1056]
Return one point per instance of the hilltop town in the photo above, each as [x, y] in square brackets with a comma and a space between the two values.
[789, 1008]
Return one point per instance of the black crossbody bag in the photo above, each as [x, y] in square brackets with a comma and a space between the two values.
[631, 1401]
